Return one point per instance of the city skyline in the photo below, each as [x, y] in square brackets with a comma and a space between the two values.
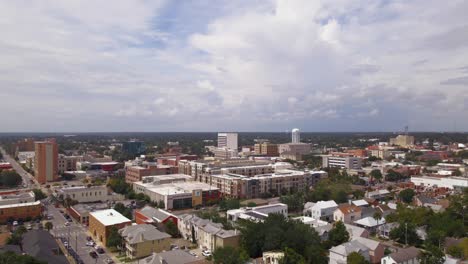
[160, 66]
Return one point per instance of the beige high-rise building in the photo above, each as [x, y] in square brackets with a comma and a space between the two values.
[46, 161]
[402, 141]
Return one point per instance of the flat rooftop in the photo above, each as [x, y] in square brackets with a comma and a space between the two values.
[19, 205]
[110, 217]
[179, 188]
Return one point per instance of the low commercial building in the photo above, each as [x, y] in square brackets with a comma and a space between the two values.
[143, 240]
[81, 211]
[163, 179]
[101, 222]
[7, 198]
[208, 235]
[294, 151]
[180, 195]
[68, 163]
[85, 194]
[440, 182]
[258, 213]
[136, 173]
[225, 153]
[20, 211]
[343, 162]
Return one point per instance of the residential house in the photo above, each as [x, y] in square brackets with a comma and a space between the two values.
[323, 228]
[347, 213]
[172, 257]
[258, 213]
[323, 210]
[207, 234]
[143, 240]
[376, 249]
[272, 257]
[370, 223]
[360, 203]
[339, 254]
[356, 231]
[154, 216]
[402, 256]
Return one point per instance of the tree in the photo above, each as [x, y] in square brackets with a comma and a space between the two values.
[10, 178]
[228, 204]
[377, 216]
[376, 174]
[114, 239]
[229, 255]
[48, 226]
[405, 234]
[356, 258]
[171, 228]
[338, 234]
[11, 257]
[455, 251]
[291, 257]
[39, 195]
[125, 211]
[407, 195]
[16, 237]
[432, 255]
[161, 204]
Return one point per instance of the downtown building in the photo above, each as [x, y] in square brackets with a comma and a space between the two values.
[342, 161]
[46, 161]
[247, 187]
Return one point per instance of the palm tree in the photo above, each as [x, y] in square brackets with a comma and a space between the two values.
[48, 226]
[377, 216]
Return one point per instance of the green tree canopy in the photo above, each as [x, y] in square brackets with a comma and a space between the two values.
[125, 211]
[39, 195]
[171, 228]
[291, 257]
[114, 239]
[405, 233]
[10, 178]
[48, 226]
[407, 195]
[229, 255]
[11, 257]
[376, 174]
[432, 255]
[338, 234]
[356, 258]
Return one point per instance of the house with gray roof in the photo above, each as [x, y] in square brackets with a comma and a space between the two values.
[207, 234]
[171, 257]
[402, 256]
[143, 240]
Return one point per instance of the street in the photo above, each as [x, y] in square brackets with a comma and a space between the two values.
[75, 234]
[24, 174]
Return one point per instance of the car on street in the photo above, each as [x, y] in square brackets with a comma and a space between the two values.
[15, 223]
[100, 250]
[67, 223]
[206, 253]
[109, 261]
[29, 227]
[174, 247]
[93, 254]
[193, 253]
[65, 244]
[90, 243]
[88, 238]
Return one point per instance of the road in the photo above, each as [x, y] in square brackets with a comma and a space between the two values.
[75, 234]
[24, 174]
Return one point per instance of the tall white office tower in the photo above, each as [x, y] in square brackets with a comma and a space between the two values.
[227, 140]
[296, 135]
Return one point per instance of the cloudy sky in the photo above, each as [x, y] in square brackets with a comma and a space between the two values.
[241, 65]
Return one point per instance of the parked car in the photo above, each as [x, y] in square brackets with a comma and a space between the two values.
[89, 238]
[93, 254]
[206, 253]
[174, 247]
[65, 244]
[193, 253]
[90, 243]
[67, 223]
[109, 261]
[15, 223]
[100, 250]
[29, 227]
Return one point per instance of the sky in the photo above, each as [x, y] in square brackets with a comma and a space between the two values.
[233, 65]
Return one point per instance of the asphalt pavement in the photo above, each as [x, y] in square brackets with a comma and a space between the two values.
[75, 234]
[24, 174]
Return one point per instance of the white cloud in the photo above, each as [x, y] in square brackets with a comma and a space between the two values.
[239, 65]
